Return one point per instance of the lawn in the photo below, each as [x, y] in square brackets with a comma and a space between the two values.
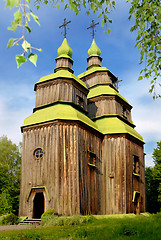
[146, 227]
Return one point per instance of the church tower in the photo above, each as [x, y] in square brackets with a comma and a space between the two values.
[123, 184]
[81, 153]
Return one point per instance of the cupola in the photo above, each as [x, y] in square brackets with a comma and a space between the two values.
[64, 59]
[94, 59]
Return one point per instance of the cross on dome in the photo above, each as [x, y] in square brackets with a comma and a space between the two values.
[93, 26]
[65, 27]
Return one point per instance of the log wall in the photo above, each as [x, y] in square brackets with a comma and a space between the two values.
[98, 77]
[134, 148]
[103, 105]
[63, 170]
[62, 90]
[117, 168]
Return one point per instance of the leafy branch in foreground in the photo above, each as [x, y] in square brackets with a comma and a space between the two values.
[21, 19]
[147, 14]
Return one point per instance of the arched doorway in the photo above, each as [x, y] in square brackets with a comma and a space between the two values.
[38, 205]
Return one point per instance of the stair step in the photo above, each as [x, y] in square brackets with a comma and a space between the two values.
[30, 221]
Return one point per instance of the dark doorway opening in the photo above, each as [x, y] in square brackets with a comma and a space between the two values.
[38, 208]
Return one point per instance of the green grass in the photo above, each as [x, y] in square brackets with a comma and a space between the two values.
[123, 227]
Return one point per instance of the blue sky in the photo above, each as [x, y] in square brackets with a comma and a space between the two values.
[17, 97]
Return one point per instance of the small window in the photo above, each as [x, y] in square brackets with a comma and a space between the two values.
[136, 168]
[80, 101]
[91, 158]
[38, 154]
[124, 112]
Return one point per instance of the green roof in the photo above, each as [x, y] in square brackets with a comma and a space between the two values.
[93, 70]
[60, 111]
[61, 74]
[94, 50]
[103, 89]
[113, 125]
[64, 50]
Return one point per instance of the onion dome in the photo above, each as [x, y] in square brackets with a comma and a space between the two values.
[64, 50]
[94, 50]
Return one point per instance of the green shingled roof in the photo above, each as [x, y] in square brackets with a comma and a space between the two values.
[94, 50]
[61, 74]
[103, 89]
[58, 112]
[113, 125]
[93, 70]
[64, 50]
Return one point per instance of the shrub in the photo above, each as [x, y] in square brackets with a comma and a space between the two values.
[49, 212]
[54, 220]
[9, 219]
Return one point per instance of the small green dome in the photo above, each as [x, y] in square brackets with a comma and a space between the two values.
[94, 50]
[64, 50]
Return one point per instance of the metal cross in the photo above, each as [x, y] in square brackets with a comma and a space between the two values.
[65, 27]
[92, 26]
[117, 82]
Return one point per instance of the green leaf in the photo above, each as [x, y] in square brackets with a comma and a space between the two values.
[18, 17]
[103, 23]
[58, 6]
[14, 26]
[109, 31]
[12, 3]
[20, 59]
[28, 29]
[11, 42]
[35, 18]
[26, 45]
[33, 58]
[140, 78]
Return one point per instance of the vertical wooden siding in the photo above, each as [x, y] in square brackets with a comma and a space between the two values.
[63, 169]
[61, 91]
[114, 175]
[134, 148]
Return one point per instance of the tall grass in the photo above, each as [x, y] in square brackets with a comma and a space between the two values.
[107, 227]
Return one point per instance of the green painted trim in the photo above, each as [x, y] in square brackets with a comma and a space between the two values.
[39, 187]
[79, 108]
[114, 125]
[92, 165]
[60, 111]
[99, 90]
[61, 74]
[135, 174]
[134, 195]
[91, 152]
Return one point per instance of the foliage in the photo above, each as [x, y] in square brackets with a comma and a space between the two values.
[10, 160]
[153, 182]
[5, 203]
[9, 219]
[22, 17]
[147, 14]
[157, 169]
[53, 220]
[107, 227]
[48, 212]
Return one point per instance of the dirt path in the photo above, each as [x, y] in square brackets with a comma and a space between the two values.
[17, 227]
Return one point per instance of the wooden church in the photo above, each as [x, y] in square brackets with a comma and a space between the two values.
[81, 153]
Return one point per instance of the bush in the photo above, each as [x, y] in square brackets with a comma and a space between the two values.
[54, 220]
[9, 219]
[49, 212]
